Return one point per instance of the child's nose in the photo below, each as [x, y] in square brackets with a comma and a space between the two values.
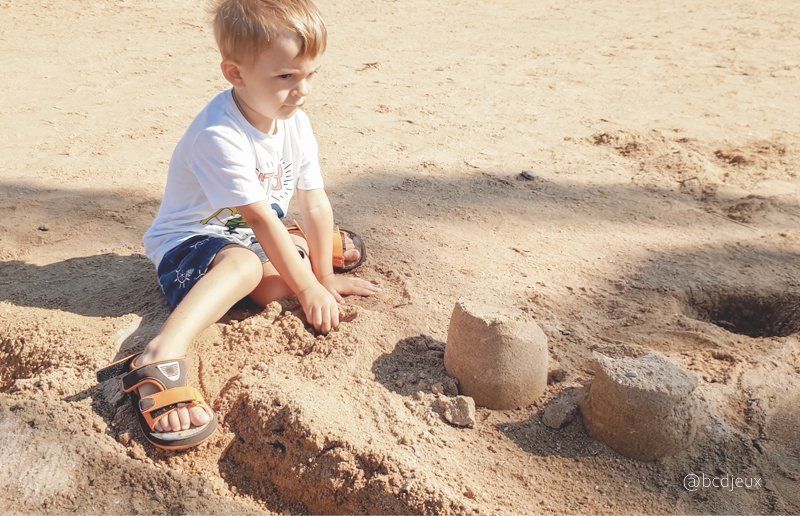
[303, 88]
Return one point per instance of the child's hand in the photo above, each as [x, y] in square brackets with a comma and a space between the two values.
[320, 307]
[345, 285]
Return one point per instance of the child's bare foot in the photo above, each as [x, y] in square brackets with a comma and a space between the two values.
[180, 418]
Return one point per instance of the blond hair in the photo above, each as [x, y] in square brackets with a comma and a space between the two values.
[244, 28]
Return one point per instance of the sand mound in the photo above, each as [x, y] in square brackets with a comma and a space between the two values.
[782, 432]
[642, 407]
[57, 456]
[305, 441]
[498, 356]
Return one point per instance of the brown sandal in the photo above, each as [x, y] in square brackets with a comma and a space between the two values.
[170, 377]
[339, 264]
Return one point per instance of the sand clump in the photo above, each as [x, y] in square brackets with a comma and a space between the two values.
[641, 407]
[498, 356]
[458, 411]
[563, 409]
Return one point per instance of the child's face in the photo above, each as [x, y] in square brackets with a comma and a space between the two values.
[277, 83]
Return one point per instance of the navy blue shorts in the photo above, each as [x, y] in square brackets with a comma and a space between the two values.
[187, 262]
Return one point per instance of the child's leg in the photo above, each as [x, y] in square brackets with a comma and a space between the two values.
[233, 274]
[273, 287]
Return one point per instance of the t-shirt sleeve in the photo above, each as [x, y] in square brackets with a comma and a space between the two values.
[310, 177]
[225, 168]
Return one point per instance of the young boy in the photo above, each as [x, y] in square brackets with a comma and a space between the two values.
[218, 236]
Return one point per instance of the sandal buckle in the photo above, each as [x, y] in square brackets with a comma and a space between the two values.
[171, 370]
[145, 404]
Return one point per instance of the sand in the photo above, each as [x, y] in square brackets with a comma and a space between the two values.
[661, 214]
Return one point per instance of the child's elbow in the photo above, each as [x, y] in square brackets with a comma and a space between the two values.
[257, 214]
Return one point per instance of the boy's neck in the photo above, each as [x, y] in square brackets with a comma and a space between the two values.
[262, 123]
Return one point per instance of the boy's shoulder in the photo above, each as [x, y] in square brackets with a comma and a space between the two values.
[214, 135]
[217, 123]
[222, 128]
[218, 116]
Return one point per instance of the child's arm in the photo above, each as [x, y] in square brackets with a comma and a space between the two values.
[318, 303]
[317, 215]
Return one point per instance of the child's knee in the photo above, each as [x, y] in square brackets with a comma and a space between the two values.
[251, 269]
[240, 263]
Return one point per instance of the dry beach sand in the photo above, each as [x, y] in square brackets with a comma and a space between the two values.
[661, 215]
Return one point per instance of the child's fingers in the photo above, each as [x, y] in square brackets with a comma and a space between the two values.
[366, 285]
[316, 317]
[326, 320]
[338, 297]
[335, 320]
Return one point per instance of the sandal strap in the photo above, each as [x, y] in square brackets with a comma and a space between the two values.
[153, 407]
[168, 397]
[338, 248]
[118, 368]
[166, 374]
[295, 227]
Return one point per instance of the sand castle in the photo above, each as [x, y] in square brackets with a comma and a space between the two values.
[498, 356]
[643, 407]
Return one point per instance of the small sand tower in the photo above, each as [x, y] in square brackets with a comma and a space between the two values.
[498, 355]
[643, 407]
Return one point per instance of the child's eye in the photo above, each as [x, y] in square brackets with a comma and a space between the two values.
[286, 76]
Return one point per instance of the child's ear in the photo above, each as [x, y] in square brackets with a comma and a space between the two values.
[232, 72]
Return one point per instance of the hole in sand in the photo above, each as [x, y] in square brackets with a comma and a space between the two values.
[751, 313]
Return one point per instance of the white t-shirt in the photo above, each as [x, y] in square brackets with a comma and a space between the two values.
[223, 161]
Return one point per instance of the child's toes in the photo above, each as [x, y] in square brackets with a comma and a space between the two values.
[352, 255]
[183, 416]
[174, 421]
[159, 426]
[199, 416]
[351, 251]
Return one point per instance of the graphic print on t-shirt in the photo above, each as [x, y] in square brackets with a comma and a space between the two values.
[277, 181]
[279, 185]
